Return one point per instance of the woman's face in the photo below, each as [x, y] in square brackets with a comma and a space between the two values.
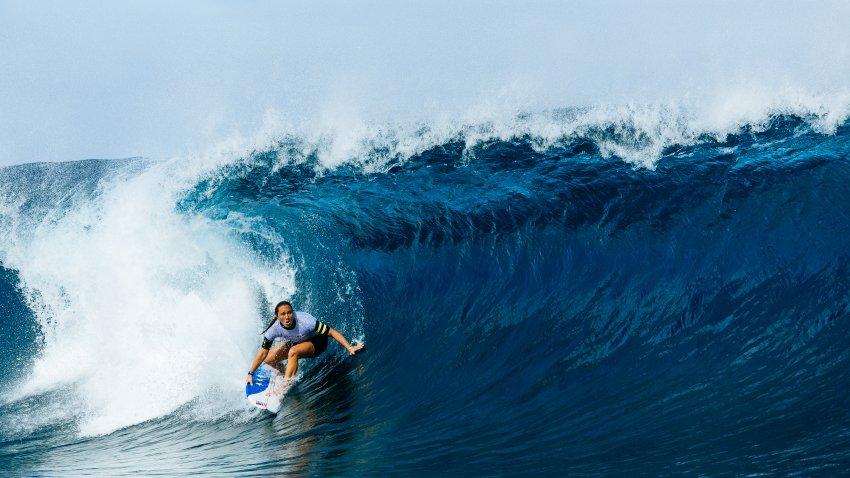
[286, 315]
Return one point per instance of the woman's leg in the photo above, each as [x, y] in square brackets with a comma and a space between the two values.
[297, 351]
[277, 354]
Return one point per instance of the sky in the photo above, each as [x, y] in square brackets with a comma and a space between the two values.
[161, 79]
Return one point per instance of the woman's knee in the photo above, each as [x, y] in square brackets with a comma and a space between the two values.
[276, 354]
[304, 350]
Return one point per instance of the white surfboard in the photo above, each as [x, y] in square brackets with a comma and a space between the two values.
[268, 389]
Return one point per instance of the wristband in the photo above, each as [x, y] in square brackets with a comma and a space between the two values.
[251, 372]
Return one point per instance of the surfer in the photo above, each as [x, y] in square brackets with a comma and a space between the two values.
[303, 337]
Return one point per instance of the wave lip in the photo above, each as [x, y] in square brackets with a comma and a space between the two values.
[638, 133]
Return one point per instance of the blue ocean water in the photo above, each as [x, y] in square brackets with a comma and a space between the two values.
[529, 307]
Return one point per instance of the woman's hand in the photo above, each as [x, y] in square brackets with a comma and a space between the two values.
[355, 348]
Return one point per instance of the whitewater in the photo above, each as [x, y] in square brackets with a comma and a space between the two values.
[578, 240]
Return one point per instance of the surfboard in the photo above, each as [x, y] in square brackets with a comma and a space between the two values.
[268, 389]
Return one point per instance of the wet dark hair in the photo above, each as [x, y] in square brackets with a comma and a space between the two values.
[282, 303]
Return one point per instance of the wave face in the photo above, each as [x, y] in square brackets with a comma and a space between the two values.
[550, 307]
